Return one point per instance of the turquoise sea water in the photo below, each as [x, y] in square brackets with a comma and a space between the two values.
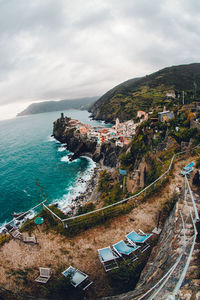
[28, 152]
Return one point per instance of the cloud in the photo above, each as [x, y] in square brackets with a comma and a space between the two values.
[54, 49]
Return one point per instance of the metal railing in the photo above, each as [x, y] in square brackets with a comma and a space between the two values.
[22, 215]
[64, 221]
[153, 292]
[166, 173]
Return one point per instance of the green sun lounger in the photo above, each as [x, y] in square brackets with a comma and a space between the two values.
[189, 166]
[108, 258]
[135, 238]
[128, 251]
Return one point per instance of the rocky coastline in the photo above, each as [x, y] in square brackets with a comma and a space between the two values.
[89, 195]
[107, 153]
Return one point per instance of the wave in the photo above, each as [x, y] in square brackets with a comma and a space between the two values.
[65, 158]
[18, 223]
[61, 149]
[52, 139]
[79, 186]
[26, 193]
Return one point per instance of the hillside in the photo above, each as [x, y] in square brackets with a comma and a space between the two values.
[124, 100]
[48, 106]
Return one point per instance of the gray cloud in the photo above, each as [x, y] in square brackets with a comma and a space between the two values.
[52, 49]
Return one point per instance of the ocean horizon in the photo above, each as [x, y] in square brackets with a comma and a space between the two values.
[29, 153]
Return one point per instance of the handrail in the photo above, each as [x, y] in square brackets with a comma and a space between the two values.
[134, 196]
[28, 211]
[179, 283]
[52, 212]
[170, 271]
[116, 203]
[193, 202]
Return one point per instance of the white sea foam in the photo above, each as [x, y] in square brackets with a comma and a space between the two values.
[65, 158]
[18, 223]
[2, 226]
[61, 149]
[26, 193]
[52, 139]
[31, 215]
[78, 187]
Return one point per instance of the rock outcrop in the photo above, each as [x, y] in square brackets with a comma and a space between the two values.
[82, 145]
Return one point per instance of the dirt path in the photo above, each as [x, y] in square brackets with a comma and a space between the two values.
[58, 252]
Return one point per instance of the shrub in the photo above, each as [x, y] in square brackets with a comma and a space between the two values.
[57, 211]
[86, 208]
[62, 289]
[4, 239]
[127, 275]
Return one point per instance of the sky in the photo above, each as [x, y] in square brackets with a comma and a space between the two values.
[61, 49]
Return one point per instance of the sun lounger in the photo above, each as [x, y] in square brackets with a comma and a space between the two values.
[77, 278]
[45, 274]
[189, 166]
[16, 234]
[123, 249]
[108, 258]
[186, 172]
[29, 239]
[135, 238]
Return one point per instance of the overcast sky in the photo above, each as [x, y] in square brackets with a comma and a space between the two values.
[60, 49]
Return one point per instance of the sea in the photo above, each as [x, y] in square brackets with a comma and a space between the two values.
[30, 155]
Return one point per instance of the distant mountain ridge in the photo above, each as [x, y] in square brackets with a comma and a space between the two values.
[48, 106]
[146, 92]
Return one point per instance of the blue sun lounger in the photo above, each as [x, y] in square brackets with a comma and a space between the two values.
[186, 172]
[135, 238]
[123, 249]
[77, 278]
[189, 166]
[108, 258]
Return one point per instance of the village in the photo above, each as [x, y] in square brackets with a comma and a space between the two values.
[121, 133]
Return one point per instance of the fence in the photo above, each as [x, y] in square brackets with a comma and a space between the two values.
[153, 184]
[163, 288]
[105, 212]
[22, 215]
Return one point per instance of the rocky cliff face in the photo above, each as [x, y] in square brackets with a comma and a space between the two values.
[81, 145]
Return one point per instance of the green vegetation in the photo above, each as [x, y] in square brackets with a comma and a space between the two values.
[4, 239]
[83, 223]
[125, 278]
[57, 211]
[126, 99]
[111, 189]
[86, 208]
[139, 146]
[168, 206]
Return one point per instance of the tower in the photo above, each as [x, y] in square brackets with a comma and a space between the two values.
[117, 124]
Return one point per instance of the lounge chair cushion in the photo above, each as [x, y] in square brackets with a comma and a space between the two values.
[123, 248]
[137, 238]
[107, 254]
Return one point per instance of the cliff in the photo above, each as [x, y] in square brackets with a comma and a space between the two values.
[82, 145]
